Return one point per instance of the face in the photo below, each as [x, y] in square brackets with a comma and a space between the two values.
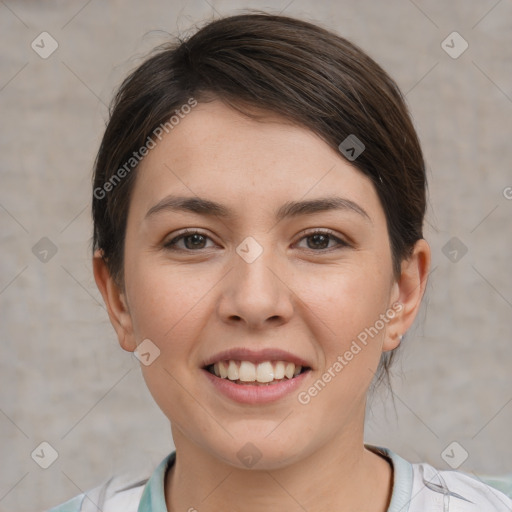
[254, 281]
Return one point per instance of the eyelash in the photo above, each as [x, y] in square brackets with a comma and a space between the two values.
[171, 245]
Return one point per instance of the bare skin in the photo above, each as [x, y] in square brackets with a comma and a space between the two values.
[310, 298]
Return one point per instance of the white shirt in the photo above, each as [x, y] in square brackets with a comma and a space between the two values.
[416, 488]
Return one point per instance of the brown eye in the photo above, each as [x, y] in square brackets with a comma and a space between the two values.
[319, 241]
[192, 241]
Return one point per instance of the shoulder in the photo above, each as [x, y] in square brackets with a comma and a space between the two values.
[419, 487]
[453, 490]
[126, 493]
[119, 493]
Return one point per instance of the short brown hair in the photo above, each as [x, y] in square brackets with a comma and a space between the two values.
[282, 65]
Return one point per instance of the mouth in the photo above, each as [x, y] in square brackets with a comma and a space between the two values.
[264, 373]
[256, 377]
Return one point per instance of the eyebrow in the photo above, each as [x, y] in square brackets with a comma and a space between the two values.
[289, 209]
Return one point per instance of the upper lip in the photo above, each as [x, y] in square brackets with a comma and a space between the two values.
[256, 356]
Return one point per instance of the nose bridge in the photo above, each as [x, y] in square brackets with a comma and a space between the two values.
[255, 290]
[253, 263]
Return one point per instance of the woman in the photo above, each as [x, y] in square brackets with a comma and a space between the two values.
[258, 205]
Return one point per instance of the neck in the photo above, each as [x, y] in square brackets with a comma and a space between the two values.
[340, 473]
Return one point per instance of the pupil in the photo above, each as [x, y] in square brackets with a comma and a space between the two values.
[196, 238]
[320, 238]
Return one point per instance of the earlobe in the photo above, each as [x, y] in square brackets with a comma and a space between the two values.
[392, 341]
[408, 291]
[115, 301]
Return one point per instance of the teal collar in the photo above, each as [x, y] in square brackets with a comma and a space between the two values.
[402, 479]
[153, 497]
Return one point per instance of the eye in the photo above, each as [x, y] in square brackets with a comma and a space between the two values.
[320, 239]
[193, 240]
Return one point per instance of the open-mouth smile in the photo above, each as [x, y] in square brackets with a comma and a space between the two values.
[256, 377]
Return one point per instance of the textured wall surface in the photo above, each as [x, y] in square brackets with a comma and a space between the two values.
[64, 379]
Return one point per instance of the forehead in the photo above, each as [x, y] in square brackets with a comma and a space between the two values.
[219, 153]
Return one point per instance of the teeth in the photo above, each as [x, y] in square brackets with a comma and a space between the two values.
[246, 371]
[223, 370]
[279, 370]
[232, 371]
[265, 372]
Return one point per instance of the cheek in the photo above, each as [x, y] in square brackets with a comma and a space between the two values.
[166, 304]
[347, 301]
[346, 307]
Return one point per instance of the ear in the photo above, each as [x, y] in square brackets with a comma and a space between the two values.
[407, 293]
[116, 303]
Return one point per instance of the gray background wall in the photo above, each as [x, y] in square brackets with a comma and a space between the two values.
[64, 380]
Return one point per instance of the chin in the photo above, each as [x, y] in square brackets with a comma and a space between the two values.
[258, 452]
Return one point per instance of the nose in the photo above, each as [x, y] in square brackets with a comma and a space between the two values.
[255, 292]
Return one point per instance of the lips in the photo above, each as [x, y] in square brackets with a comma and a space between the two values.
[256, 356]
[255, 393]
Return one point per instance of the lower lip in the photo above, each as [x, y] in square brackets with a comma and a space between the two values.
[256, 394]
